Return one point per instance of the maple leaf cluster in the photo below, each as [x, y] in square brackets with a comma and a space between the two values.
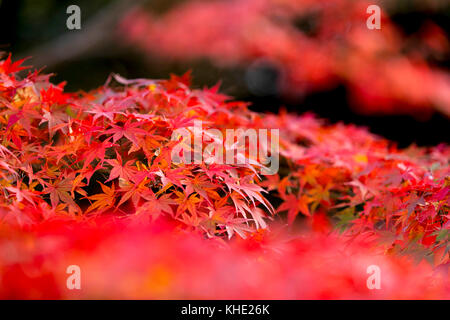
[89, 175]
[59, 148]
[315, 46]
[365, 185]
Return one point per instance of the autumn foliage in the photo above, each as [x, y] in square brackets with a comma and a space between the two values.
[315, 45]
[87, 178]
